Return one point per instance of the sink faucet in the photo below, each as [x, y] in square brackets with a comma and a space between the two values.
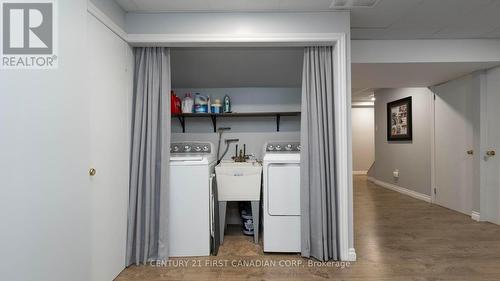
[242, 156]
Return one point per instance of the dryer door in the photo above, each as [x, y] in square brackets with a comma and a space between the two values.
[283, 189]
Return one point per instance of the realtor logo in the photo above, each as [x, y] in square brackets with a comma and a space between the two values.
[29, 34]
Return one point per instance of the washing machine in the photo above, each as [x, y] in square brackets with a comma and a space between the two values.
[192, 224]
[281, 195]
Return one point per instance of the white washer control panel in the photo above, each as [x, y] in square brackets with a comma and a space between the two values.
[191, 147]
[283, 147]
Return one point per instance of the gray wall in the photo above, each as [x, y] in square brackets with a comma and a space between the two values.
[225, 67]
[253, 131]
[412, 158]
[363, 138]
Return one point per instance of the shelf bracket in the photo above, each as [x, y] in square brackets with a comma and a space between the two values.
[278, 120]
[182, 120]
[214, 122]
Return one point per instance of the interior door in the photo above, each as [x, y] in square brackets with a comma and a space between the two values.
[110, 79]
[490, 196]
[44, 195]
[454, 155]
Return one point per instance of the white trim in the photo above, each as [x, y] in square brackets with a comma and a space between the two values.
[357, 173]
[476, 216]
[401, 190]
[352, 255]
[484, 192]
[342, 128]
[108, 22]
[433, 144]
[235, 40]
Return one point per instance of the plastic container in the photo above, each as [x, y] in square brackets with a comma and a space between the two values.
[227, 104]
[187, 103]
[216, 107]
[175, 103]
[247, 222]
[200, 103]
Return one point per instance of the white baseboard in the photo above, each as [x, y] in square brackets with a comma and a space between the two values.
[352, 255]
[402, 190]
[356, 173]
[476, 216]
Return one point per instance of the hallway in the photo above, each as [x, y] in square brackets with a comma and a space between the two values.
[397, 238]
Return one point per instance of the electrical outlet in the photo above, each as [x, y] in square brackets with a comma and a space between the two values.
[395, 173]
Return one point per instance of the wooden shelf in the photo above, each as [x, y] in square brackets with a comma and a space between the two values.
[182, 117]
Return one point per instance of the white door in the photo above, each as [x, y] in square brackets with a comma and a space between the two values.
[110, 84]
[453, 157]
[490, 186]
[44, 197]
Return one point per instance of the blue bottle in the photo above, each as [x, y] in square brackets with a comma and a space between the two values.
[227, 104]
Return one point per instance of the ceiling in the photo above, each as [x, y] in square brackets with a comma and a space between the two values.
[388, 19]
[427, 19]
[398, 75]
[367, 76]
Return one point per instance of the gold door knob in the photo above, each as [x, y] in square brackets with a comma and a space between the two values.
[470, 152]
[92, 172]
[491, 153]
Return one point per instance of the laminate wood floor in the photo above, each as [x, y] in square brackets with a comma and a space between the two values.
[396, 238]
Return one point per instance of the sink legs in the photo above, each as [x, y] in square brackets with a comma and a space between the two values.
[222, 219]
[255, 218]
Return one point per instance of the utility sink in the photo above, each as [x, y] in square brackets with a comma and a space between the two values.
[238, 181]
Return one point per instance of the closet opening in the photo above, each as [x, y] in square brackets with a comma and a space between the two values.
[229, 105]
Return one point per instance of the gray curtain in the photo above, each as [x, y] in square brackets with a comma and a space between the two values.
[147, 214]
[318, 184]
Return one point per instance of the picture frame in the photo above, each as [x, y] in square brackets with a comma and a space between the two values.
[399, 120]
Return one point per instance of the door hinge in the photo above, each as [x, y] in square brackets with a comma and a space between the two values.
[435, 191]
[434, 96]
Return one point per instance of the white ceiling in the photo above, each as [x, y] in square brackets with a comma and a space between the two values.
[427, 19]
[389, 19]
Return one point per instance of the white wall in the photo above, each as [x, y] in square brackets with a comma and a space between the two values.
[44, 202]
[363, 138]
[430, 51]
[237, 23]
[412, 158]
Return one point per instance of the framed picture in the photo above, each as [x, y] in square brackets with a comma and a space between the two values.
[399, 120]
